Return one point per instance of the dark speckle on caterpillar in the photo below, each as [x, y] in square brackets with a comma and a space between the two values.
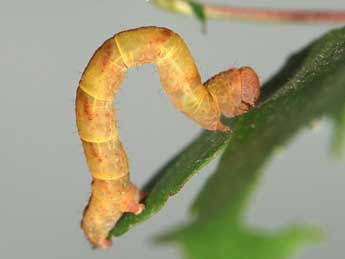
[231, 93]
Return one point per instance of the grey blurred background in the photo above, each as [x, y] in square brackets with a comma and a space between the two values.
[45, 184]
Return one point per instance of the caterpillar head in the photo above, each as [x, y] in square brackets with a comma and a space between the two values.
[236, 90]
[250, 90]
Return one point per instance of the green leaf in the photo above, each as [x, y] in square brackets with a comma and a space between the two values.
[199, 12]
[171, 178]
[310, 86]
[187, 7]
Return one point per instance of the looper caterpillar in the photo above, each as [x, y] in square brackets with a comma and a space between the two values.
[230, 93]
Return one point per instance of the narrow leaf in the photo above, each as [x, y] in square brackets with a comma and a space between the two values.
[199, 12]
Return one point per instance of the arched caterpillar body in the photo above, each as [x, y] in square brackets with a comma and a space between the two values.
[230, 93]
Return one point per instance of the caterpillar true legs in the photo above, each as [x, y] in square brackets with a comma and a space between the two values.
[230, 93]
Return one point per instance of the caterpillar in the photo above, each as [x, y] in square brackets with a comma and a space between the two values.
[231, 93]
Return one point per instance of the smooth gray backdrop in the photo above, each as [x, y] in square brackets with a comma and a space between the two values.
[45, 184]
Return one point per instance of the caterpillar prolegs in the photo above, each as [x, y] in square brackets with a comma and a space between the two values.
[231, 93]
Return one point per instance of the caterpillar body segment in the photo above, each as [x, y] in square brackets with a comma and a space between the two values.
[230, 93]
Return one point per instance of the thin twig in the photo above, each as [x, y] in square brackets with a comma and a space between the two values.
[214, 11]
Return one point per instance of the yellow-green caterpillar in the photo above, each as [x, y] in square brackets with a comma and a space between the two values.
[230, 93]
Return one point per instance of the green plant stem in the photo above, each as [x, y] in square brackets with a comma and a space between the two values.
[214, 11]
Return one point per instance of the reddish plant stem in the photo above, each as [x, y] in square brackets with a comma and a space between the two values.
[263, 14]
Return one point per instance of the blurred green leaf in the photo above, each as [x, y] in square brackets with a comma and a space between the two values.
[199, 12]
[188, 7]
[309, 86]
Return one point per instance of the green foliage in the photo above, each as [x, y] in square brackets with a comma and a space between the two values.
[310, 86]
